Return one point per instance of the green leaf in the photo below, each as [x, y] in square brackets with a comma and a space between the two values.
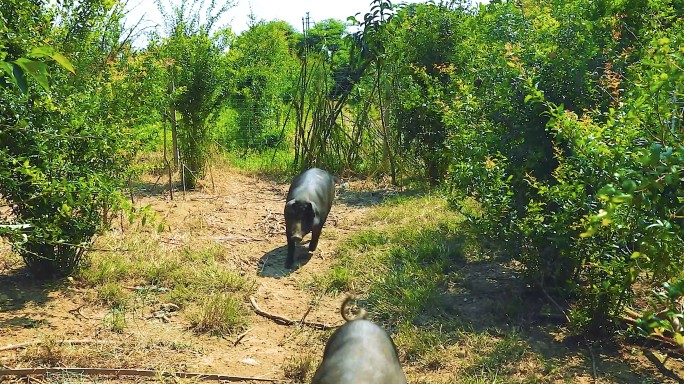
[19, 78]
[6, 67]
[44, 51]
[63, 61]
[629, 185]
[607, 190]
[679, 339]
[66, 210]
[621, 198]
[36, 69]
[590, 232]
[47, 51]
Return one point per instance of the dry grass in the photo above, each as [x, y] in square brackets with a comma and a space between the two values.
[47, 352]
[300, 369]
[147, 272]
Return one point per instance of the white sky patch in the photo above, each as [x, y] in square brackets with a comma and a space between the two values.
[290, 11]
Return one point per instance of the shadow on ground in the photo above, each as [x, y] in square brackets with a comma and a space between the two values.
[18, 289]
[491, 298]
[370, 197]
[155, 189]
[272, 263]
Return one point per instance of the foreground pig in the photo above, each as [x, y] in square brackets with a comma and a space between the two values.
[308, 204]
[359, 352]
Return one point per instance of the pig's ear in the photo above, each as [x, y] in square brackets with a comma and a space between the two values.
[289, 206]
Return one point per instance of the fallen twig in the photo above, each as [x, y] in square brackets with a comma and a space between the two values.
[555, 304]
[239, 238]
[661, 367]
[170, 241]
[73, 342]
[127, 372]
[308, 309]
[240, 336]
[77, 312]
[285, 321]
[318, 299]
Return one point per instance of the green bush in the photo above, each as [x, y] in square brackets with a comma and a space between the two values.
[569, 138]
[64, 150]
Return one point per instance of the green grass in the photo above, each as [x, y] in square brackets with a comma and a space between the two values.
[218, 314]
[272, 162]
[115, 320]
[423, 345]
[190, 277]
[113, 295]
[403, 262]
[300, 368]
[207, 255]
[128, 262]
[414, 251]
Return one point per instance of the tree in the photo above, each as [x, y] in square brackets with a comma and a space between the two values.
[263, 67]
[422, 80]
[197, 74]
[64, 154]
[568, 136]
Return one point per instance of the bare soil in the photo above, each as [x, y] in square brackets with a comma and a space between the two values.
[243, 214]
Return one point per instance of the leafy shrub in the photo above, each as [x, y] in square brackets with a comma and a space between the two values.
[62, 162]
[574, 150]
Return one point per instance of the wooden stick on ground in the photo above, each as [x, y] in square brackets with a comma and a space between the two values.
[241, 336]
[128, 372]
[548, 297]
[285, 321]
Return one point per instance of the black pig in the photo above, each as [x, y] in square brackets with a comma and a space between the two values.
[308, 204]
[359, 352]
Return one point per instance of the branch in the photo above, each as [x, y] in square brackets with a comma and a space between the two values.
[661, 367]
[630, 318]
[285, 321]
[128, 372]
[540, 285]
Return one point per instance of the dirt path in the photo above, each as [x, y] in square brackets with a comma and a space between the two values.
[244, 215]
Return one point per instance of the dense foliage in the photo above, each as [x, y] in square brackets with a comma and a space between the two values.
[64, 148]
[194, 59]
[263, 70]
[571, 141]
[561, 120]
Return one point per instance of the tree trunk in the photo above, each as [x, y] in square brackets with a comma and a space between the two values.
[385, 132]
[174, 129]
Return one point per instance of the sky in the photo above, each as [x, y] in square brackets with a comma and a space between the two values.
[291, 11]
